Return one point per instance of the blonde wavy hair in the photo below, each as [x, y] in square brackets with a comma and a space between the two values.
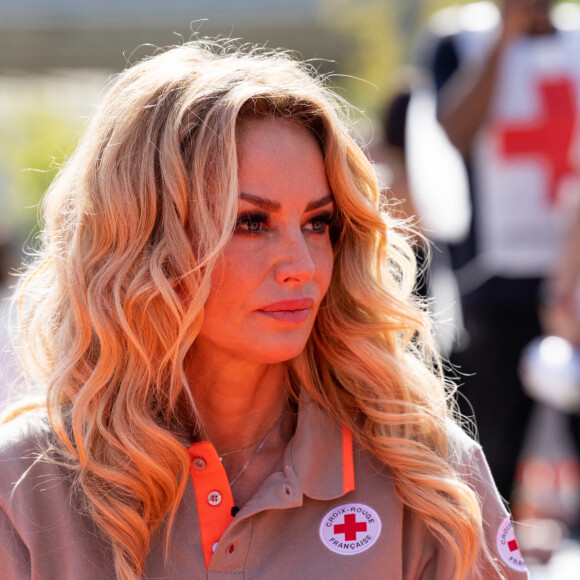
[114, 300]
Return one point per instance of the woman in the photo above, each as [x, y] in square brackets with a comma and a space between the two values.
[239, 382]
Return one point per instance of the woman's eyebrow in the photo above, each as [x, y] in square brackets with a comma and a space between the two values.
[275, 206]
[261, 202]
[320, 202]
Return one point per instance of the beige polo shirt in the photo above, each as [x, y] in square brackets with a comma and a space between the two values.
[330, 513]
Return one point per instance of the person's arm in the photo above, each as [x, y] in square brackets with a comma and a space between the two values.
[464, 101]
[560, 315]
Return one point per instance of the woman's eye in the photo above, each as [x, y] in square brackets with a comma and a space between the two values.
[253, 226]
[251, 223]
[318, 226]
[320, 223]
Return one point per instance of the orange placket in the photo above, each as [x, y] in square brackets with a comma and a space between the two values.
[213, 495]
[347, 460]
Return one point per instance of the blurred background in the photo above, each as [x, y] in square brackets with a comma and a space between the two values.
[57, 56]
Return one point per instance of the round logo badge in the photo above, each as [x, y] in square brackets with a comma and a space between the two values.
[350, 528]
[507, 546]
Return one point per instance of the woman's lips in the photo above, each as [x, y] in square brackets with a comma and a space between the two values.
[293, 311]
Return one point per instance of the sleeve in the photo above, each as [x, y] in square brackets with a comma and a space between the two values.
[14, 555]
[499, 533]
[445, 62]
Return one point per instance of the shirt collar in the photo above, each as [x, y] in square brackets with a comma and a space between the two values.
[321, 454]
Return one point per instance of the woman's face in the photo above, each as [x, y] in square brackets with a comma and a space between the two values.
[275, 270]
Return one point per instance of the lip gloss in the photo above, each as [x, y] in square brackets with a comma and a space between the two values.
[292, 311]
[291, 316]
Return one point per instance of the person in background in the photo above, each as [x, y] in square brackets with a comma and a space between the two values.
[560, 309]
[390, 159]
[427, 186]
[508, 86]
[239, 380]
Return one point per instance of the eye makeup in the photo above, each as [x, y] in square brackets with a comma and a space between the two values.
[256, 221]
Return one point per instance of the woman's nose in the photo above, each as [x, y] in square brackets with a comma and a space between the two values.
[294, 260]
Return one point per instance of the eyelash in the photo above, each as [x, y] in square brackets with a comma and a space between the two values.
[248, 219]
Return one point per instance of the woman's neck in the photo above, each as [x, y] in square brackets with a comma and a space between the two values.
[237, 400]
[245, 415]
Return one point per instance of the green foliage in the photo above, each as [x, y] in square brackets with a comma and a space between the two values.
[35, 139]
[430, 6]
[370, 29]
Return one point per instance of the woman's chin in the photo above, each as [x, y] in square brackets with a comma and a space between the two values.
[271, 354]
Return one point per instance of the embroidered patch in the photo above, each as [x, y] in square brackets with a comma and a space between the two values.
[507, 546]
[350, 528]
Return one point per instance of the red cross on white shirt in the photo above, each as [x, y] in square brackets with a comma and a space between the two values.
[548, 137]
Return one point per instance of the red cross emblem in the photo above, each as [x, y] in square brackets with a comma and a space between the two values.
[507, 546]
[513, 545]
[350, 527]
[342, 521]
[549, 137]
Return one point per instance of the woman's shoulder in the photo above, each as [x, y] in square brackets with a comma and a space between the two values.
[468, 459]
[24, 441]
[461, 444]
[29, 431]
[30, 457]
[462, 448]
[466, 456]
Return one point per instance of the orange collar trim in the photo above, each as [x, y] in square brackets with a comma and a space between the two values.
[213, 495]
[347, 460]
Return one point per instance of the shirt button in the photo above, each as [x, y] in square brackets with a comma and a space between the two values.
[214, 498]
[199, 462]
[214, 547]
